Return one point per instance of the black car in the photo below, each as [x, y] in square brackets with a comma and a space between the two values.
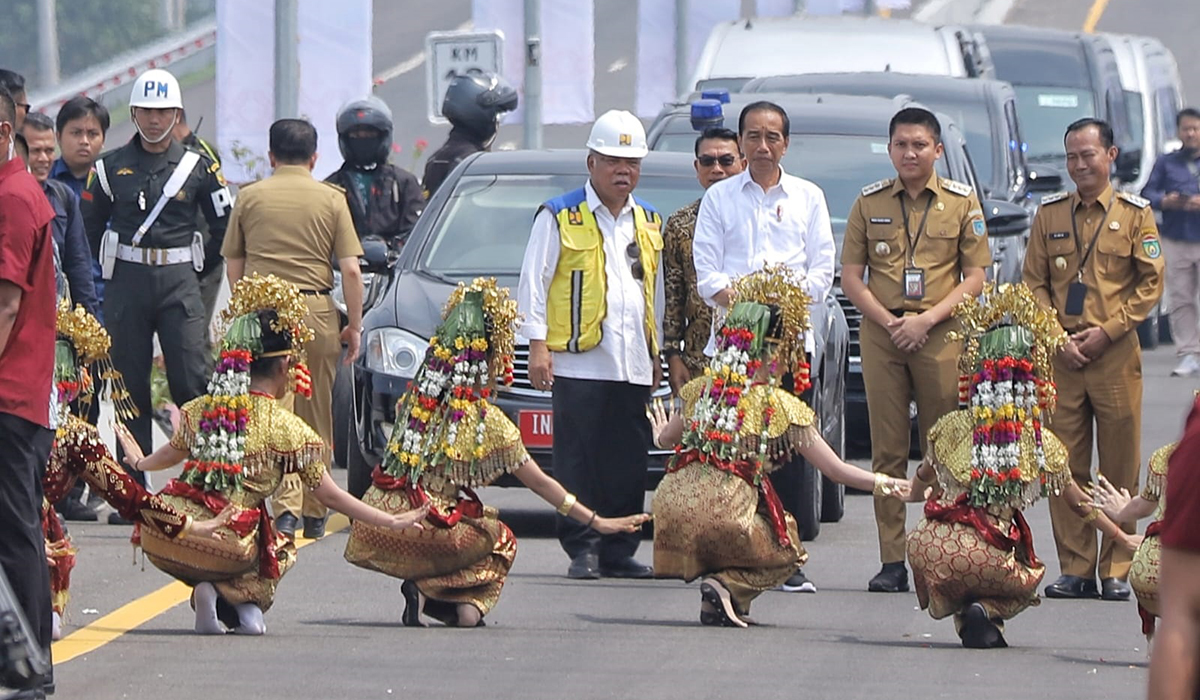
[478, 224]
[840, 143]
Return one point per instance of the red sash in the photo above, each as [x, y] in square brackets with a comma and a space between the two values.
[745, 471]
[962, 513]
[470, 506]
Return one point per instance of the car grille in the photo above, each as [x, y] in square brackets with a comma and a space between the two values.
[522, 386]
[853, 322]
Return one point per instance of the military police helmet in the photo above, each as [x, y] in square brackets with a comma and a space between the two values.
[365, 151]
[475, 101]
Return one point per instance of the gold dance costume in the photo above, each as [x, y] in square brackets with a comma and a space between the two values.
[1143, 573]
[449, 439]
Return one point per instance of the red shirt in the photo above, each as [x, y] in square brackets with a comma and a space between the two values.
[27, 260]
[1181, 521]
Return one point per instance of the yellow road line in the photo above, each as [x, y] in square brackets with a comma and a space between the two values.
[131, 615]
[1093, 16]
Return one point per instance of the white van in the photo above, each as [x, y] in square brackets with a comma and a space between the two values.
[753, 48]
[1153, 94]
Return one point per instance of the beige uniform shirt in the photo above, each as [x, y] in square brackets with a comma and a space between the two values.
[954, 238]
[1123, 273]
[293, 226]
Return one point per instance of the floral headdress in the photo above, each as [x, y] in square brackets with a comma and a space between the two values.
[216, 459]
[1007, 382]
[81, 349]
[440, 422]
[766, 325]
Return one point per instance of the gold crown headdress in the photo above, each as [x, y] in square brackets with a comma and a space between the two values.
[778, 285]
[73, 370]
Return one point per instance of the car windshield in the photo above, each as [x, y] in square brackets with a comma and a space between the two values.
[1045, 113]
[485, 224]
[841, 165]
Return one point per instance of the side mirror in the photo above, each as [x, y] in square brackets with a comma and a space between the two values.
[376, 255]
[1045, 178]
[1129, 165]
[1004, 218]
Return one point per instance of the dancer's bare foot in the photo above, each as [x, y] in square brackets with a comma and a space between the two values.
[468, 615]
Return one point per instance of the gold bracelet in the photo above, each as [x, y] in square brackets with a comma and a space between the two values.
[567, 504]
[1092, 515]
[883, 485]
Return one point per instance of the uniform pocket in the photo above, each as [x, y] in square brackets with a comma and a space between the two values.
[938, 244]
[885, 246]
[1113, 252]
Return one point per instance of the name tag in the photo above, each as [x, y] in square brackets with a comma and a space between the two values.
[881, 219]
[1059, 235]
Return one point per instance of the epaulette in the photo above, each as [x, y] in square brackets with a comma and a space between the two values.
[956, 187]
[877, 186]
[1135, 200]
[339, 188]
[1056, 197]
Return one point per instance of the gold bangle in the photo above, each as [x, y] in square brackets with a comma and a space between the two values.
[568, 503]
[1091, 515]
[883, 486]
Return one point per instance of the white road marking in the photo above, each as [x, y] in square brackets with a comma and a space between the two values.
[617, 65]
[411, 63]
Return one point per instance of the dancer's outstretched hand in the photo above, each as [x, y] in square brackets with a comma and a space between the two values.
[133, 451]
[408, 519]
[1108, 498]
[629, 523]
[211, 528]
[659, 413]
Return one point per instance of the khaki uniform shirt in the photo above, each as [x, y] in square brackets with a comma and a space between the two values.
[687, 319]
[1123, 273]
[292, 226]
[954, 238]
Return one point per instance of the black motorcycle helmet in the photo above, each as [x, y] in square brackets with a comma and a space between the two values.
[365, 152]
[475, 101]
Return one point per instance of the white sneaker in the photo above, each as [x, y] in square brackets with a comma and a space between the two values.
[1188, 367]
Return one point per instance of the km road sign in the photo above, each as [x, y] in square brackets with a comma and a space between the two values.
[449, 54]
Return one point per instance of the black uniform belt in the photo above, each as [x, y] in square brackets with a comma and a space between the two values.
[901, 312]
[315, 292]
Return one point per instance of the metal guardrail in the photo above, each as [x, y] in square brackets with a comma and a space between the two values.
[193, 48]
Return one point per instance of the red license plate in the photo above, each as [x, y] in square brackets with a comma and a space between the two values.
[537, 428]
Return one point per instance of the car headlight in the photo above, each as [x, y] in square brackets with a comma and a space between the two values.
[394, 351]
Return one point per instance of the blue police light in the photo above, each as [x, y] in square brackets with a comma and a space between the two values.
[719, 94]
[706, 114]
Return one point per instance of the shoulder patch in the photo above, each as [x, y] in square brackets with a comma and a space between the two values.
[877, 186]
[1135, 200]
[956, 187]
[1056, 197]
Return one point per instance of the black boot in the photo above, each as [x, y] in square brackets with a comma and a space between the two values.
[978, 631]
[892, 578]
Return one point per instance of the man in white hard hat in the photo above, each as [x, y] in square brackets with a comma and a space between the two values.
[140, 209]
[591, 295]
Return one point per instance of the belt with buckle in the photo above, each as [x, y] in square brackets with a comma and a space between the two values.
[154, 256]
[315, 292]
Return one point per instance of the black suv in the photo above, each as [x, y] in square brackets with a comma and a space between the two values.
[840, 143]
[478, 224]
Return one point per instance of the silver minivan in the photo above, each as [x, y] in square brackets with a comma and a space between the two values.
[1153, 95]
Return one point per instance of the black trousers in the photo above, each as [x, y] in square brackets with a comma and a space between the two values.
[601, 437]
[139, 301]
[24, 452]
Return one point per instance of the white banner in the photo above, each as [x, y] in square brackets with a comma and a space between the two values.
[334, 52]
[656, 46]
[568, 55]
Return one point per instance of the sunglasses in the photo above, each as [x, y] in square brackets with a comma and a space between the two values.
[635, 254]
[726, 160]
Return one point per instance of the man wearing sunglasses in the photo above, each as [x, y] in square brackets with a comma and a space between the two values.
[687, 320]
[591, 295]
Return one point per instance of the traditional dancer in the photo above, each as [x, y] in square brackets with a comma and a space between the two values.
[716, 513]
[449, 439]
[972, 554]
[1116, 504]
[78, 452]
[239, 443]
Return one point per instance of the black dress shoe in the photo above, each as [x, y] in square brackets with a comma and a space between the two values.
[314, 528]
[626, 568]
[76, 511]
[412, 605]
[1114, 589]
[286, 524]
[892, 578]
[118, 519]
[1072, 587]
[585, 566]
[978, 631]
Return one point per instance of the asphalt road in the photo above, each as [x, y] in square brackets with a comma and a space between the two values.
[335, 633]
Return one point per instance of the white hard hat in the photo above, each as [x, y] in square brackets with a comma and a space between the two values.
[619, 134]
[156, 89]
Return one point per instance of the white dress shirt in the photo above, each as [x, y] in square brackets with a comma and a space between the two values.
[623, 354]
[740, 228]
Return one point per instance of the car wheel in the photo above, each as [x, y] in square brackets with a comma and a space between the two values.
[358, 469]
[833, 494]
[343, 414]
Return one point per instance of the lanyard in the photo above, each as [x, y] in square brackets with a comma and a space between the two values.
[1075, 232]
[912, 242]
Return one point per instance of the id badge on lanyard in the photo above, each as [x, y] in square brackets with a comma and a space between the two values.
[1077, 290]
